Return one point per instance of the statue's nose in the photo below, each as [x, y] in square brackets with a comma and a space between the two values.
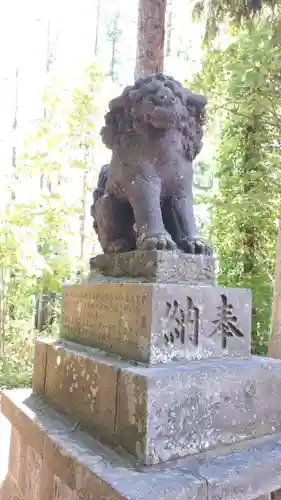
[164, 97]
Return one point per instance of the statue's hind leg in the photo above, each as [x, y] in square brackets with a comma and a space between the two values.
[114, 221]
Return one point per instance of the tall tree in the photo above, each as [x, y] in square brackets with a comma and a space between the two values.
[96, 47]
[264, 87]
[15, 128]
[151, 36]
[113, 34]
[216, 12]
[45, 299]
[274, 349]
[169, 29]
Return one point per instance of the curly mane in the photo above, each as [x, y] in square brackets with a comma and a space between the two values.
[156, 102]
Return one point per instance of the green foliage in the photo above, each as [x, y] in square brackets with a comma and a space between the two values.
[216, 13]
[243, 83]
[40, 232]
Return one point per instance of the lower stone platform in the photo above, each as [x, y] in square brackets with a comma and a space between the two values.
[164, 412]
[50, 459]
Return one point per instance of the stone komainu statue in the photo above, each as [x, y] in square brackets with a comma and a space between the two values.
[144, 197]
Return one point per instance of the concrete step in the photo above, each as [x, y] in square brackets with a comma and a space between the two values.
[49, 459]
[163, 412]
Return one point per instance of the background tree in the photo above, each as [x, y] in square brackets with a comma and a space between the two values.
[274, 349]
[150, 37]
[241, 81]
[114, 33]
[15, 127]
[44, 237]
[216, 14]
[96, 43]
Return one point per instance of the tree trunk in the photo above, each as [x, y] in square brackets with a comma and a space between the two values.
[83, 219]
[151, 36]
[97, 29]
[169, 34]
[274, 349]
[114, 35]
[45, 314]
[15, 127]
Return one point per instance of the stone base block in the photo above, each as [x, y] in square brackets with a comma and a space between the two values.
[155, 266]
[156, 323]
[52, 461]
[81, 382]
[9, 491]
[158, 413]
[276, 495]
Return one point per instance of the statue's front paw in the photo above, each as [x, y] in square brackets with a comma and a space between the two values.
[195, 246]
[156, 241]
[120, 245]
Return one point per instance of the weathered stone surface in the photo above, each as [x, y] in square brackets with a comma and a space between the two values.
[115, 317]
[158, 413]
[55, 460]
[24, 424]
[98, 473]
[46, 482]
[200, 322]
[40, 361]
[156, 323]
[14, 455]
[243, 475]
[178, 410]
[23, 472]
[276, 495]
[61, 491]
[83, 383]
[156, 266]
[144, 197]
[32, 473]
[9, 491]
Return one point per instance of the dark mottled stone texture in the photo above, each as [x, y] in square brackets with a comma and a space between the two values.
[243, 475]
[156, 266]
[180, 410]
[144, 197]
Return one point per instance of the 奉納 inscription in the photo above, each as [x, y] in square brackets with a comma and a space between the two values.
[183, 323]
[225, 322]
[154, 323]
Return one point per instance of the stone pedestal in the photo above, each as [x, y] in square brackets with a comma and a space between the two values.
[154, 266]
[151, 392]
[156, 323]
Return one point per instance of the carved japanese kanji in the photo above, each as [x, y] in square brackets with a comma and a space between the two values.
[225, 322]
[184, 324]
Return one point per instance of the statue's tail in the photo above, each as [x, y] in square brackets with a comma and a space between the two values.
[99, 192]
